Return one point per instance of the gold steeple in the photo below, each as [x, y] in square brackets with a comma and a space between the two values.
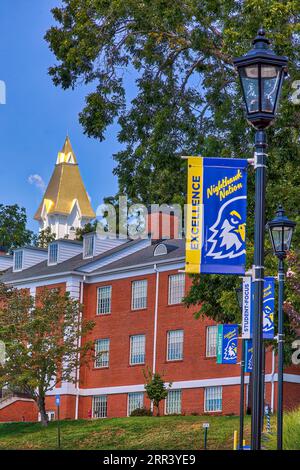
[65, 188]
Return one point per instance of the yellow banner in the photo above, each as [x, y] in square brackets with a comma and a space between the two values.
[194, 234]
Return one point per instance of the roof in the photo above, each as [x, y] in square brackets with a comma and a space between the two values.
[65, 188]
[30, 247]
[176, 250]
[67, 240]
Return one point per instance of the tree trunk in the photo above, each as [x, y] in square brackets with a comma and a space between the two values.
[157, 409]
[42, 410]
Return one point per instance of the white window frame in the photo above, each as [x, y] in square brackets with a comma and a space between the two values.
[176, 283]
[177, 392]
[211, 350]
[85, 241]
[139, 302]
[213, 391]
[50, 263]
[160, 250]
[102, 288]
[50, 414]
[139, 397]
[173, 333]
[104, 397]
[103, 351]
[131, 349]
[16, 253]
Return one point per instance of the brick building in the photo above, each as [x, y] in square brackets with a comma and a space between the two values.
[133, 289]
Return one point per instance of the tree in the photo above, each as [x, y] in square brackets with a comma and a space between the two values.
[179, 55]
[187, 100]
[45, 237]
[41, 338]
[88, 228]
[155, 388]
[13, 232]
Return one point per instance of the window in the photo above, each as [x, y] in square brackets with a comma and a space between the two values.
[211, 341]
[102, 353]
[88, 247]
[175, 345]
[160, 250]
[213, 399]
[18, 260]
[176, 288]
[173, 403]
[135, 401]
[50, 414]
[100, 406]
[139, 295]
[137, 349]
[104, 300]
[53, 253]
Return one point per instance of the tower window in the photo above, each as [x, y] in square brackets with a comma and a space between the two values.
[88, 247]
[18, 260]
[53, 253]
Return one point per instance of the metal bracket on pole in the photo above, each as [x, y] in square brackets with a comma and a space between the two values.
[254, 278]
[280, 338]
[256, 164]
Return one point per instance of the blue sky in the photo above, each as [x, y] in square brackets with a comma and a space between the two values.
[37, 115]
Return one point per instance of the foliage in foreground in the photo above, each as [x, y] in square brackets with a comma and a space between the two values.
[41, 337]
[155, 387]
[291, 432]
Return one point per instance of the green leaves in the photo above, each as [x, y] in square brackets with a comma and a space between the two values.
[13, 232]
[41, 337]
[164, 71]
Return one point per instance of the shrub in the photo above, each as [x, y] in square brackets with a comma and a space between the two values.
[141, 412]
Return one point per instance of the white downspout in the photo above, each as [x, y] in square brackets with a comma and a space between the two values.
[79, 345]
[155, 319]
[272, 381]
[155, 324]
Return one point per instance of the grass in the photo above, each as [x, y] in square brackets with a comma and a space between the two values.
[164, 433]
[291, 432]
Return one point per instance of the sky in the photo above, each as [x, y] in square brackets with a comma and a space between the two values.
[37, 115]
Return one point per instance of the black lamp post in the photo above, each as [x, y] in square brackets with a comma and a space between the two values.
[261, 74]
[281, 232]
[239, 295]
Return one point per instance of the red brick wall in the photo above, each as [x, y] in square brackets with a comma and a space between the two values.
[118, 326]
[19, 411]
[67, 406]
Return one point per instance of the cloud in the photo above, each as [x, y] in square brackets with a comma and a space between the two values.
[38, 181]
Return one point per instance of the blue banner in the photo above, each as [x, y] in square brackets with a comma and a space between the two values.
[248, 355]
[227, 341]
[216, 216]
[268, 308]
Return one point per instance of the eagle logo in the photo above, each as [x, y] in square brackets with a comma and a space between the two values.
[268, 318]
[230, 352]
[228, 232]
[250, 362]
